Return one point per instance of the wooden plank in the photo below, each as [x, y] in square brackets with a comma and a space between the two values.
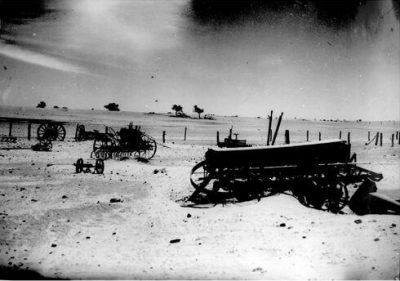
[332, 151]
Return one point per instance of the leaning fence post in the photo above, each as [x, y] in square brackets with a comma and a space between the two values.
[308, 134]
[269, 127]
[184, 136]
[163, 136]
[377, 139]
[287, 138]
[10, 130]
[381, 139]
[29, 131]
[348, 137]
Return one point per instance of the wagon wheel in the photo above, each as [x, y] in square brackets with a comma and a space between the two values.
[312, 194]
[337, 196]
[149, 148]
[79, 166]
[99, 167]
[51, 132]
[80, 132]
[200, 177]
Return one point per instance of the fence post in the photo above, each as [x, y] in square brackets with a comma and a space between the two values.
[308, 134]
[29, 131]
[319, 136]
[340, 135]
[377, 139]
[217, 137]
[269, 128]
[184, 136]
[287, 138]
[163, 136]
[381, 139]
[106, 130]
[397, 135]
[369, 136]
[348, 137]
[10, 130]
[392, 140]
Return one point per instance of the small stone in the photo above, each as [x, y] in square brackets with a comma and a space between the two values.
[282, 225]
[64, 197]
[376, 239]
[87, 237]
[175, 241]
[53, 245]
[358, 221]
[189, 216]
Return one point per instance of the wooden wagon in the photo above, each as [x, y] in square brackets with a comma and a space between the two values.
[317, 173]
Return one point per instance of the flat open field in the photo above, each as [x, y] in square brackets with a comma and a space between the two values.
[60, 224]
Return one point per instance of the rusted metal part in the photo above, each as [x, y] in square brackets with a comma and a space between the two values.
[98, 167]
[318, 174]
[43, 145]
[232, 142]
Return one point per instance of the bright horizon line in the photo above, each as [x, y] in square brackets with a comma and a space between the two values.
[276, 114]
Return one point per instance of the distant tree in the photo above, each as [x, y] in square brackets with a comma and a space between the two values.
[177, 108]
[112, 106]
[198, 110]
[41, 104]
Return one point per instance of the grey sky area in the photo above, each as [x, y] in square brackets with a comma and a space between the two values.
[307, 59]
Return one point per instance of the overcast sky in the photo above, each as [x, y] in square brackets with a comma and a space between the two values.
[147, 55]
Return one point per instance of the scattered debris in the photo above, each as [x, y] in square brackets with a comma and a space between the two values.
[116, 200]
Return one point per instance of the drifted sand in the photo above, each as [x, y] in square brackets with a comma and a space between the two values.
[62, 225]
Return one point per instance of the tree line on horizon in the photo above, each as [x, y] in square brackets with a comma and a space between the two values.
[179, 110]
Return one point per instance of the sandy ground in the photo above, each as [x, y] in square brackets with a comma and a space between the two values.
[62, 225]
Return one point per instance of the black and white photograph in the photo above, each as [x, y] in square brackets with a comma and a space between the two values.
[200, 139]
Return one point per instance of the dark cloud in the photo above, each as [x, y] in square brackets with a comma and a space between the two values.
[333, 13]
[20, 11]
[396, 4]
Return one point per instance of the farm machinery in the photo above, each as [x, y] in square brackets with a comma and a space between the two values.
[318, 174]
[129, 142]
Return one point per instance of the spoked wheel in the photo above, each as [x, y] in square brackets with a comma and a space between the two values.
[200, 177]
[80, 132]
[337, 196]
[51, 131]
[148, 149]
[79, 166]
[99, 166]
[328, 196]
